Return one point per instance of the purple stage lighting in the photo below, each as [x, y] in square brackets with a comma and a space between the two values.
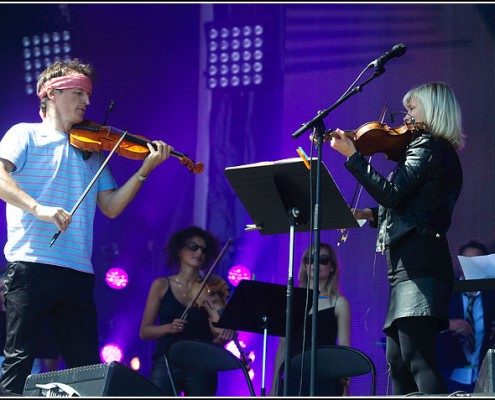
[235, 55]
[237, 273]
[116, 278]
[39, 51]
[111, 352]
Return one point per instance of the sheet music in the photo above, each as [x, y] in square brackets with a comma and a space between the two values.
[266, 163]
[479, 267]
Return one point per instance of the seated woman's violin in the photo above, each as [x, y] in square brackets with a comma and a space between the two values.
[212, 297]
[376, 137]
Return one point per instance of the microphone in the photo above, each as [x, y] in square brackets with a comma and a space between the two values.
[397, 51]
[109, 110]
[112, 105]
[86, 154]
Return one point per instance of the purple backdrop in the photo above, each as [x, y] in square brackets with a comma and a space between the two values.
[150, 60]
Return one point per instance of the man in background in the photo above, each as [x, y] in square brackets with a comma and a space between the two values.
[462, 348]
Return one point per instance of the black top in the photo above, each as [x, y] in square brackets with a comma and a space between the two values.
[197, 327]
[326, 332]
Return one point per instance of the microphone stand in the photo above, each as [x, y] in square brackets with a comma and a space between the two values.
[324, 113]
[318, 127]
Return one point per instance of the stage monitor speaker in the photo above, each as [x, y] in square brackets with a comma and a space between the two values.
[110, 379]
[486, 375]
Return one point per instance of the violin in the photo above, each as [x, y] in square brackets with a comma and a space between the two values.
[376, 137]
[213, 299]
[89, 136]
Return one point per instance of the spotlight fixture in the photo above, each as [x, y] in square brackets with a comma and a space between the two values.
[117, 278]
[237, 273]
[235, 55]
[135, 363]
[41, 50]
[111, 352]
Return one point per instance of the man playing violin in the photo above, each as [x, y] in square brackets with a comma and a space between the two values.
[42, 176]
[413, 217]
[190, 251]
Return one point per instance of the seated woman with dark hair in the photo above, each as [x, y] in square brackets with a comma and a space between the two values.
[190, 251]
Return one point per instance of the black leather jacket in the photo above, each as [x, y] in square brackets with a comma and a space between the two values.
[421, 194]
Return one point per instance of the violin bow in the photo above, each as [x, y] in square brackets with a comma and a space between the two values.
[78, 203]
[344, 233]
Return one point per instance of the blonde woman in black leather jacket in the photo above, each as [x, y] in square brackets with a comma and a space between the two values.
[414, 214]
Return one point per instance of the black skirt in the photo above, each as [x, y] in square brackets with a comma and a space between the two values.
[419, 297]
[421, 278]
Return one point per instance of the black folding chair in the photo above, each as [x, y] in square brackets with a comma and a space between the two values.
[204, 356]
[333, 362]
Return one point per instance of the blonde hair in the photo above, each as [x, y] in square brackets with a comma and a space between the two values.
[442, 113]
[332, 283]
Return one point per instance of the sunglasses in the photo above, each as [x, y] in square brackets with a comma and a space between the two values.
[324, 259]
[193, 246]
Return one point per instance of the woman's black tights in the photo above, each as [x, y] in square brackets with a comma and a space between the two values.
[411, 355]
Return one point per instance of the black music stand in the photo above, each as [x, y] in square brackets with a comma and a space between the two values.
[269, 190]
[473, 285]
[260, 307]
[277, 197]
[475, 282]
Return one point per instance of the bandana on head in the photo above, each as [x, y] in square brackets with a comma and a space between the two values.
[75, 80]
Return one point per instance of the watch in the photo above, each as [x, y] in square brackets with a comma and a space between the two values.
[140, 177]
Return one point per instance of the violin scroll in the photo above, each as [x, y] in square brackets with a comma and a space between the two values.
[197, 168]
